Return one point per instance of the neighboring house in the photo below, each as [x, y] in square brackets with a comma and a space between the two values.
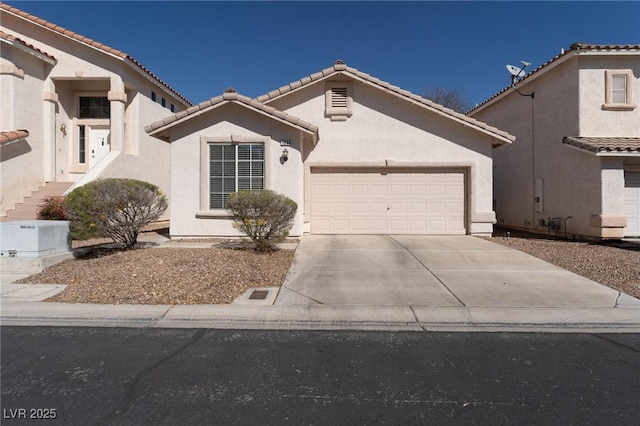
[74, 110]
[358, 156]
[576, 161]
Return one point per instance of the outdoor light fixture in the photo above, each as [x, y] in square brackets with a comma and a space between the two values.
[63, 129]
[285, 154]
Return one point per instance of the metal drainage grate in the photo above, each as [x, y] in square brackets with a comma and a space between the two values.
[259, 295]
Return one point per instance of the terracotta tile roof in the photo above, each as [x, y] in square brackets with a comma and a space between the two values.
[605, 145]
[12, 136]
[341, 68]
[230, 95]
[15, 39]
[575, 47]
[86, 40]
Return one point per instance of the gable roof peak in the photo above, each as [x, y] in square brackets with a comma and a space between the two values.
[231, 96]
[357, 75]
[91, 43]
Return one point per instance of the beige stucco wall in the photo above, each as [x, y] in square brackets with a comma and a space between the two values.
[386, 130]
[190, 218]
[21, 79]
[383, 131]
[85, 70]
[596, 121]
[568, 102]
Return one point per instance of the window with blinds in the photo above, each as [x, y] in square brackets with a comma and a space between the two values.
[232, 168]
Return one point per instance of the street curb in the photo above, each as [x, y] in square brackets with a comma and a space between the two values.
[324, 317]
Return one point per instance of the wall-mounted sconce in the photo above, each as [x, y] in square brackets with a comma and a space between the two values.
[285, 155]
[63, 129]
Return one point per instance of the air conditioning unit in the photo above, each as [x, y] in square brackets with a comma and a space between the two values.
[34, 238]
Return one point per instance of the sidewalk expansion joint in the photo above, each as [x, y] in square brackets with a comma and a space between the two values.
[416, 317]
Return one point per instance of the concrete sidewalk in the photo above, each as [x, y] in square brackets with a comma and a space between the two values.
[324, 317]
[374, 283]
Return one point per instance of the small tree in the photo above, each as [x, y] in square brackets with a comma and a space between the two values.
[51, 208]
[264, 216]
[454, 99]
[114, 208]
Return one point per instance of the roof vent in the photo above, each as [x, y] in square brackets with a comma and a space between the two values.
[338, 62]
[230, 90]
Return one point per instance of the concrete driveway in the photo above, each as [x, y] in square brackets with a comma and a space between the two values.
[437, 271]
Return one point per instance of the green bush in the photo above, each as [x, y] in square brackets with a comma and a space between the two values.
[51, 208]
[264, 216]
[78, 207]
[113, 208]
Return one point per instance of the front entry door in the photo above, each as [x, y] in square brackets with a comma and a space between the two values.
[100, 144]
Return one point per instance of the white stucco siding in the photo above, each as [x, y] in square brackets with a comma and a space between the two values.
[186, 167]
[596, 120]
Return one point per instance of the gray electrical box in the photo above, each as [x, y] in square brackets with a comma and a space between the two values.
[34, 238]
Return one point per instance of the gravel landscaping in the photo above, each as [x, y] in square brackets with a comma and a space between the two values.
[219, 275]
[173, 276]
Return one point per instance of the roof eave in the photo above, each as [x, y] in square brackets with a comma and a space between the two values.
[160, 132]
[501, 139]
[19, 44]
[114, 53]
[528, 79]
[551, 64]
[603, 153]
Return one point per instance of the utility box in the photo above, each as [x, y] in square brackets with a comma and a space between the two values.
[34, 238]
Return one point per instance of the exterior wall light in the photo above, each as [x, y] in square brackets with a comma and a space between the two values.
[285, 155]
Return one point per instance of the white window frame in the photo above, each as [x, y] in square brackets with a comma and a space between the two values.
[609, 104]
[205, 188]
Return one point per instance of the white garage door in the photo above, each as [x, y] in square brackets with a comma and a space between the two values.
[632, 204]
[387, 201]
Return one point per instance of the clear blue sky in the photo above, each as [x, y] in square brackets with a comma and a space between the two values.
[201, 48]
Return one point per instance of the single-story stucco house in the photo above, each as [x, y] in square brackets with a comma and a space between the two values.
[74, 110]
[575, 168]
[357, 154]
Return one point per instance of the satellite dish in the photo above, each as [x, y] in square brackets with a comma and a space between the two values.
[516, 72]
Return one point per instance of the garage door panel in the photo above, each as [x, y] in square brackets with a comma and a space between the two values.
[339, 189]
[398, 207]
[398, 226]
[321, 189]
[340, 208]
[417, 208]
[383, 202]
[632, 204]
[361, 189]
[378, 189]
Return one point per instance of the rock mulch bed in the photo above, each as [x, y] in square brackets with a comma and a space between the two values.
[172, 276]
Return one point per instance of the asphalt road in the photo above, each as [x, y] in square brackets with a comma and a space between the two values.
[84, 376]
